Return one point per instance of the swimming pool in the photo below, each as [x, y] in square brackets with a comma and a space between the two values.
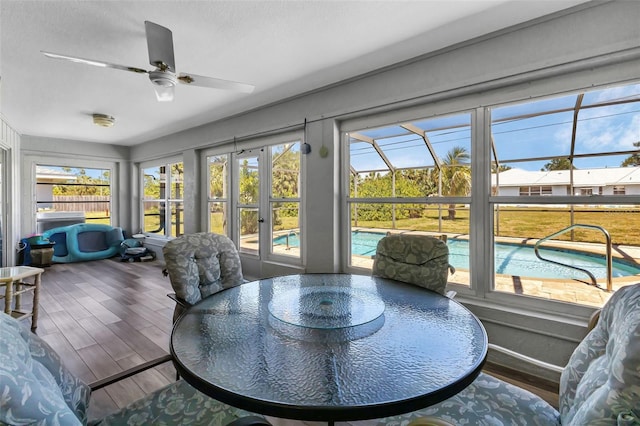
[511, 259]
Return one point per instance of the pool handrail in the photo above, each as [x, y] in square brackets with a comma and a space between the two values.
[608, 258]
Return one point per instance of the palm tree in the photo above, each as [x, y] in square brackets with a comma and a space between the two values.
[456, 176]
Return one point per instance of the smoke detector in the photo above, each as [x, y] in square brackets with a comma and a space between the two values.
[103, 120]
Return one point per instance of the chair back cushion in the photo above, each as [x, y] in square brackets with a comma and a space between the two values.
[416, 259]
[34, 385]
[601, 382]
[201, 264]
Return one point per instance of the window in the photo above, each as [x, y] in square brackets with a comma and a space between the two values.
[217, 201]
[255, 197]
[66, 195]
[572, 156]
[162, 200]
[268, 205]
[583, 143]
[410, 177]
[249, 216]
[535, 190]
[284, 199]
[619, 190]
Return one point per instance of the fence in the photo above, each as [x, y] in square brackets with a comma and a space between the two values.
[75, 203]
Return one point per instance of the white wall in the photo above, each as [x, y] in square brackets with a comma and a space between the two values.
[10, 144]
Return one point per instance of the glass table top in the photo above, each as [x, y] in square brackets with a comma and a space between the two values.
[328, 347]
[326, 307]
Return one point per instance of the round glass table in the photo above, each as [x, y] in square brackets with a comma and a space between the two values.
[329, 347]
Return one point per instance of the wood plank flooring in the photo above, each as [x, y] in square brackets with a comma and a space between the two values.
[106, 316]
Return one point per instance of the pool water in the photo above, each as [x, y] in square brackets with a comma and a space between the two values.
[511, 259]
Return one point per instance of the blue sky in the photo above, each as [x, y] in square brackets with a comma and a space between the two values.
[94, 173]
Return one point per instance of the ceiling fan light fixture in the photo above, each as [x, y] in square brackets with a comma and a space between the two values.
[103, 120]
[163, 84]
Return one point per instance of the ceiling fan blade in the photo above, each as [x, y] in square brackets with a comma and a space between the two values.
[215, 83]
[93, 62]
[160, 46]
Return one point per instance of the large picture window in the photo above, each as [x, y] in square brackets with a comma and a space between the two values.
[583, 149]
[561, 173]
[413, 177]
[67, 195]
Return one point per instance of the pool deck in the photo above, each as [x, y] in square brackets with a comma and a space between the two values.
[553, 289]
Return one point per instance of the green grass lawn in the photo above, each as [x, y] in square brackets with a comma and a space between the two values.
[622, 224]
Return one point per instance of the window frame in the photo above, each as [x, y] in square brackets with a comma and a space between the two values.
[441, 201]
[262, 145]
[167, 199]
[225, 199]
[271, 200]
[30, 176]
[483, 201]
[52, 184]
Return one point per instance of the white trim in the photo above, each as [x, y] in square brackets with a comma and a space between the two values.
[167, 162]
[29, 195]
[261, 147]
[161, 161]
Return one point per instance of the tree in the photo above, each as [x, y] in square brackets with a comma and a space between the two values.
[285, 178]
[500, 169]
[456, 176]
[558, 164]
[634, 159]
[249, 194]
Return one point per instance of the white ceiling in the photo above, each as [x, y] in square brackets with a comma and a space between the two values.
[284, 48]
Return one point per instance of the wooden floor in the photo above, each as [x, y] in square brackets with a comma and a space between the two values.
[106, 316]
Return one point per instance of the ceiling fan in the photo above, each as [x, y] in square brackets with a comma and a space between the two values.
[163, 77]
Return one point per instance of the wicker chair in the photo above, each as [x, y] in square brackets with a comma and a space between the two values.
[200, 265]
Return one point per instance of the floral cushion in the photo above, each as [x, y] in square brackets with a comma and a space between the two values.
[601, 381]
[175, 404]
[34, 385]
[487, 401]
[200, 265]
[35, 388]
[414, 259]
